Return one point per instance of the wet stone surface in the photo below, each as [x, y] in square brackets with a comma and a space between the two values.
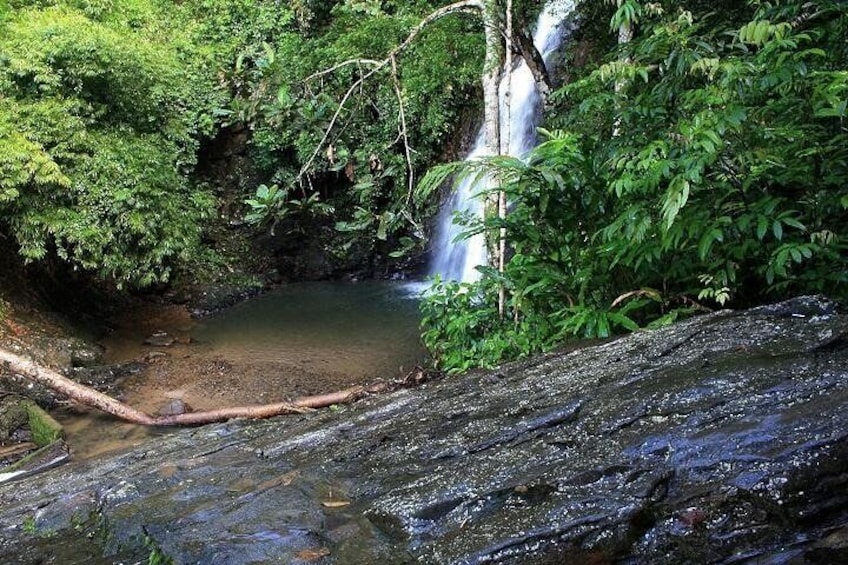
[721, 439]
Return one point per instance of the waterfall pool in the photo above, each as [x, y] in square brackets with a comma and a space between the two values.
[298, 340]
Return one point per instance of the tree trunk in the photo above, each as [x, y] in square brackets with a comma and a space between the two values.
[506, 123]
[625, 35]
[524, 45]
[491, 77]
[492, 65]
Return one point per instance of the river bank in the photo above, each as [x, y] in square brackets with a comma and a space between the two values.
[298, 340]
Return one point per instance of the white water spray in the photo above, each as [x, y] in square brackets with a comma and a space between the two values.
[458, 260]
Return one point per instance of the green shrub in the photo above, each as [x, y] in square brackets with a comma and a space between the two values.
[101, 108]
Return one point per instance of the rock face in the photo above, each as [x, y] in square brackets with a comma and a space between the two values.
[720, 439]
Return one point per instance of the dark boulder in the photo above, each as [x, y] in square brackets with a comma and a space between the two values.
[720, 439]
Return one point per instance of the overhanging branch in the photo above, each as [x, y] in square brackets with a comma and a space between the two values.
[376, 66]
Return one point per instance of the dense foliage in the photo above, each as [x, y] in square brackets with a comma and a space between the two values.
[327, 129]
[106, 104]
[703, 164]
[101, 108]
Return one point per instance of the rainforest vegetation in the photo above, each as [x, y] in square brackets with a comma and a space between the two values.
[696, 162]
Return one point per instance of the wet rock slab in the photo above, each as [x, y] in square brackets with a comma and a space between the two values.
[721, 439]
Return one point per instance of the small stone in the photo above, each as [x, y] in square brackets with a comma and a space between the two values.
[692, 516]
[160, 339]
[175, 407]
[154, 355]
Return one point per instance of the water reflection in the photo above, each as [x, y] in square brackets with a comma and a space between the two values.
[366, 329]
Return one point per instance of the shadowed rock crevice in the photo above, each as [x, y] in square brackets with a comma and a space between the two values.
[720, 439]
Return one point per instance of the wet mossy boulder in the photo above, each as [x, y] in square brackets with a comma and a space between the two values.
[17, 413]
[30, 439]
[720, 439]
[44, 429]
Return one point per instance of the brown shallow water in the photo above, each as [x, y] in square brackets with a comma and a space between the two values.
[303, 339]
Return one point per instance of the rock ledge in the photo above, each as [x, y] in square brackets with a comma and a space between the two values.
[720, 439]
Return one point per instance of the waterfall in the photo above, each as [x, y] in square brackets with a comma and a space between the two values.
[457, 260]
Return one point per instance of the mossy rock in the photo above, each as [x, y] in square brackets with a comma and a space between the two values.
[44, 429]
[46, 433]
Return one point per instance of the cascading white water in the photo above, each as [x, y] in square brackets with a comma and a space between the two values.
[457, 260]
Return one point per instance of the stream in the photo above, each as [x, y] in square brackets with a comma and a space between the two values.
[298, 340]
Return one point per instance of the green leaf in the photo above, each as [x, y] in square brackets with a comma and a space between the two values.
[707, 240]
[762, 227]
[794, 223]
[382, 227]
[284, 96]
[777, 230]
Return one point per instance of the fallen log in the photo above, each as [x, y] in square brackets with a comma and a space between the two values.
[95, 399]
[259, 411]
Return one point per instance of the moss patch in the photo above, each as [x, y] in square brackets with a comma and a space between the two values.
[45, 430]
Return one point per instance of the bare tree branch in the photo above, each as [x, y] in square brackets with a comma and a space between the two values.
[65, 386]
[403, 133]
[462, 6]
[334, 68]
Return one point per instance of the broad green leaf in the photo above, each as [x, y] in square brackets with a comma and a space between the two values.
[777, 230]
